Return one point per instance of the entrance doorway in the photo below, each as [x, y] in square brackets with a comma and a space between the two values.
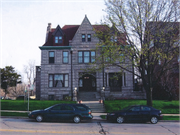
[87, 82]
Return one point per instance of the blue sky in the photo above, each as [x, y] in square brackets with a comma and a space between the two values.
[23, 25]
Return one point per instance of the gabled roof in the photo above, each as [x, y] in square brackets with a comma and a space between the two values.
[69, 31]
[58, 28]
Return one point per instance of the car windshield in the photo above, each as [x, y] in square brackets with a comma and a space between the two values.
[48, 108]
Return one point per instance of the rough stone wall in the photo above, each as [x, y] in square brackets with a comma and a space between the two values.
[56, 68]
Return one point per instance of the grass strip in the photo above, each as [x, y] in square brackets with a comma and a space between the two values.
[170, 117]
[14, 114]
[22, 105]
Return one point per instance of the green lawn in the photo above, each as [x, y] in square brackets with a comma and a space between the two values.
[14, 114]
[167, 107]
[33, 104]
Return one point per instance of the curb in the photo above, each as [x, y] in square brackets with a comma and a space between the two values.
[103, 120]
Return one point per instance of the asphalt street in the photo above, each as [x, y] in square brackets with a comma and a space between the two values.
[25, 126]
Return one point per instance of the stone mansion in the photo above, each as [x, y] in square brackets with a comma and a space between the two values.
[65, 54]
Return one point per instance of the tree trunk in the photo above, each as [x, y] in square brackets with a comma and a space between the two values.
[149, 96]
[5, 93]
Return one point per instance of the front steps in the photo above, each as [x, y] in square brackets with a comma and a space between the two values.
[91, 99]
[88, 96]
[95, 106]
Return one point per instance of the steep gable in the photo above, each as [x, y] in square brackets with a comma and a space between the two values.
[58, 31]
[85, 28]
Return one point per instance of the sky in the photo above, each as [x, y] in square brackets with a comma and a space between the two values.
[23, 25]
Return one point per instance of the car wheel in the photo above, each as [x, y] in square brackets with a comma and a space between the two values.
[39, 118]
[76, 119]
[120, 119]
[154, 120]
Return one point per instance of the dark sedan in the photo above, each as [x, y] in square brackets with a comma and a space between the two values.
[136, 113]
[58, 112]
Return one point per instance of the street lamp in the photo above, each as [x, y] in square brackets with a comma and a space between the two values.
[71, 76]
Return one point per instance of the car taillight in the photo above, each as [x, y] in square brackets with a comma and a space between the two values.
[89, 112]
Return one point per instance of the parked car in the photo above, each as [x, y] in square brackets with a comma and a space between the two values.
[136, 113]
[58, 112]
[21, 97]
[7, 98]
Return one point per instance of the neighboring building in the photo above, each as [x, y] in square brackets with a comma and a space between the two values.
[165, 35]
[65, 55]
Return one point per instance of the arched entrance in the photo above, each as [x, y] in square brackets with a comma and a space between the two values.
[87, 82]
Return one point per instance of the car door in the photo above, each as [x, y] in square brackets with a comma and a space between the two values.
[145, 112]
[133, 114]
[67, 112]
[54, 113]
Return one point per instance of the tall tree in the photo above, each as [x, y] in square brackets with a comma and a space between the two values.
[17, 90]
[147, 40]
[29, 70]
[9, 78]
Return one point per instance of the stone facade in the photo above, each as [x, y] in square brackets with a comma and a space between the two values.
[77, 77]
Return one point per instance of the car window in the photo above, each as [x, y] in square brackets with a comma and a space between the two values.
[135, 108]
[81, 108]
[58, 107]
[145, 108]
[66, 107]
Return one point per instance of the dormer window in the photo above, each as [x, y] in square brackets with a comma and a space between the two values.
[58, 39]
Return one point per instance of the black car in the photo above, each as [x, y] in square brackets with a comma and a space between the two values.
[136, 113]
[58, 112]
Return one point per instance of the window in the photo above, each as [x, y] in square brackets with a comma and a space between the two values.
[159, 60]
[151, 44]
[66, 107]
[145, 108]
[58, 80]
[93, 54]
[51, 57]
[65, 57]
[81, 108]
[50, 80]
[114, 39]
[145, 72]
[80, 82]
[58, 39]
[56, 108]
[89, 37]
[115, 81]
[135, 108]
[83, 38]
[80, 57]
[122, 59]
[124, 79]
[51, 97]
[86, 56]
[108, 58]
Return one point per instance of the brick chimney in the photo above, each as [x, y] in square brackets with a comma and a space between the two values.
[48, 30]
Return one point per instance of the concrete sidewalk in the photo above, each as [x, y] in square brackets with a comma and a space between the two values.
[95, 114]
